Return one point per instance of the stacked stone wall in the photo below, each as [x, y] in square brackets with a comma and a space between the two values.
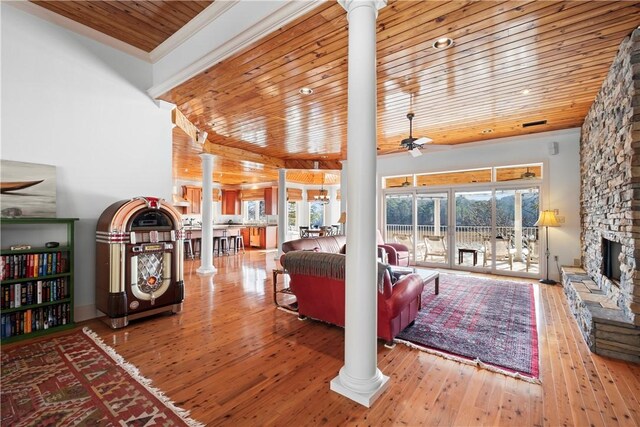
[610, 178]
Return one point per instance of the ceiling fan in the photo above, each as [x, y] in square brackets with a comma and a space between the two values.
[524, 175]
[414, 144]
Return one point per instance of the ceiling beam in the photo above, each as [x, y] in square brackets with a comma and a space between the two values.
[311, 164]
[230, 153]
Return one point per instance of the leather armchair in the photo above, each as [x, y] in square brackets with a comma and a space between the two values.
[397, 253]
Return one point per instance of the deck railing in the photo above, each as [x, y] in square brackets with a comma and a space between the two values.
[464, 235]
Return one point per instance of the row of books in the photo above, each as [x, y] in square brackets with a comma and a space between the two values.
[35, 319]
[22, 266]
[36, 292]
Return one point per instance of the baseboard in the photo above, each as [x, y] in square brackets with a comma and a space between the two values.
[85, 312]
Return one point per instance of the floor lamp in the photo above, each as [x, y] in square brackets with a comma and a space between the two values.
[547, 219]
[342, 221]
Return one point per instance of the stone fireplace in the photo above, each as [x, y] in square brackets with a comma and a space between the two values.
[605, 296]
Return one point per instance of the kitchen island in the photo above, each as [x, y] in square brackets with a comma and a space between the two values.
[257, 236]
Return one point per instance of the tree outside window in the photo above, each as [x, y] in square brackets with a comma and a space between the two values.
[292, 216]
[255, 210]
[316, 214]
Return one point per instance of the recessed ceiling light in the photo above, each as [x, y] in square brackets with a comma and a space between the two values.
[442, 43]
[306, 91]
[525, 92]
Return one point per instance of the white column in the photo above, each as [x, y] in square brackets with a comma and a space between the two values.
[517, 224]
[360, 379]
[343, 187]
[436, 216]
[206, 245]
[282, 209]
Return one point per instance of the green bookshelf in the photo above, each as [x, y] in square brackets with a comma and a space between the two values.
[42, 278]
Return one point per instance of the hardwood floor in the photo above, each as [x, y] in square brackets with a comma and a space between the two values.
[232, 358]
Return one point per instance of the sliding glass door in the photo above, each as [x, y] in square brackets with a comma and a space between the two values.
[473, 228]
[489, 229]
[432, 229]
[399, 220]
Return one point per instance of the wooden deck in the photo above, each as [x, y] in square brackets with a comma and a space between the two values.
[232, 358]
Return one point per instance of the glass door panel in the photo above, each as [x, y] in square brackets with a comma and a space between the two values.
[399, 220]
[432, 228]
[516, 245]
[473, 228]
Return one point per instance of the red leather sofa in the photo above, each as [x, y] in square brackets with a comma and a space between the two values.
[397, 253]
[321, 295]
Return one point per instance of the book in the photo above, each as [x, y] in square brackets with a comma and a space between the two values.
[39, 292]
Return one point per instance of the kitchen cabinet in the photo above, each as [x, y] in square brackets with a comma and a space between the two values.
[271, 201]
[230, 202]
[194, 196]
[245, 237]
[263, 237]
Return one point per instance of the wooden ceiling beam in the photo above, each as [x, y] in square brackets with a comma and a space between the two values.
[311, 164]
[232, 153]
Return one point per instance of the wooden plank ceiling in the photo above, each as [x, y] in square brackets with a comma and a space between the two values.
[557, 52]
[512, 62]
[144, 24]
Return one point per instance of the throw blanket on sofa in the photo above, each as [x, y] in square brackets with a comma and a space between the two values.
[323, 264]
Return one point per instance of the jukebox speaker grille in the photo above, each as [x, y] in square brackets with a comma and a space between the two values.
[149, 272]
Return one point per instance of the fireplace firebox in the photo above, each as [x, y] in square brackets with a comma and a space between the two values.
[611, 259]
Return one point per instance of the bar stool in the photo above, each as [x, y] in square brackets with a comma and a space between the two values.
[238, 242]
[188, 247]
[223, 243]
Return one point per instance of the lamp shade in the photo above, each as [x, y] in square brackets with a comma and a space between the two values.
[547, 219]
[343, 218]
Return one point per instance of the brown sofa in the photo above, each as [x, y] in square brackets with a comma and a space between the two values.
[316, 268]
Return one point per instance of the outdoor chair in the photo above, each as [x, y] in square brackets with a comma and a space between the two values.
[435, 246]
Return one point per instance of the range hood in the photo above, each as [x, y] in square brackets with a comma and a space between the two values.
[180, 201]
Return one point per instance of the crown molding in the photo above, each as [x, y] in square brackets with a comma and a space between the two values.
[289, 11]
[204, 18]
[83, 30]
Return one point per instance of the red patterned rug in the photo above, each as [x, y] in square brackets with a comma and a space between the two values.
[75, 379]
[490, 323]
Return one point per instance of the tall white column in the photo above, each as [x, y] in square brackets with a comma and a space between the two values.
[206, 246]
[343, 187]
[282, 209]
[360, 379]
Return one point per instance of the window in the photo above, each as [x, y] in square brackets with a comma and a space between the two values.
[254, 210]
[316, 214]
[292, 216]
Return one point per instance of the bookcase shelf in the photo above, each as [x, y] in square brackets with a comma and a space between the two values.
[36, 319]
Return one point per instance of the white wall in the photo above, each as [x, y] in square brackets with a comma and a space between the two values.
[561, 184]
[71, 102]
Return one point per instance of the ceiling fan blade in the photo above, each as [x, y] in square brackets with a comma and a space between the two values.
[415, 152]
[423, 140]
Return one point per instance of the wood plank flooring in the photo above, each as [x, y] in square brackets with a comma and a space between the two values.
[232, 358]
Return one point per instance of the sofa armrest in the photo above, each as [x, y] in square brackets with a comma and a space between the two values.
[404, 290]
[392, 254]
[399, 247]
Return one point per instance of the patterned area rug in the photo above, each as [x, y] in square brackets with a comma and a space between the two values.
[77, 380]
[490, 323]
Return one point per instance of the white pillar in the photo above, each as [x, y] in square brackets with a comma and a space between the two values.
[282, 209]
[436, 216]
[360, 379]
[206, 245]
[517, 224]
[343, 187]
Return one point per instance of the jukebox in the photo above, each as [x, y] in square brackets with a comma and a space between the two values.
[139, 260]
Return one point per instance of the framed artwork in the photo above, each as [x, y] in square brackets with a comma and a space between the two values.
[28, 190]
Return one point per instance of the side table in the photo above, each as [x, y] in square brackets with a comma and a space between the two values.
[285, 290]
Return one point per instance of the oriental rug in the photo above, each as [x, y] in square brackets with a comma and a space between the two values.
[486, 322]
[75, 379]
